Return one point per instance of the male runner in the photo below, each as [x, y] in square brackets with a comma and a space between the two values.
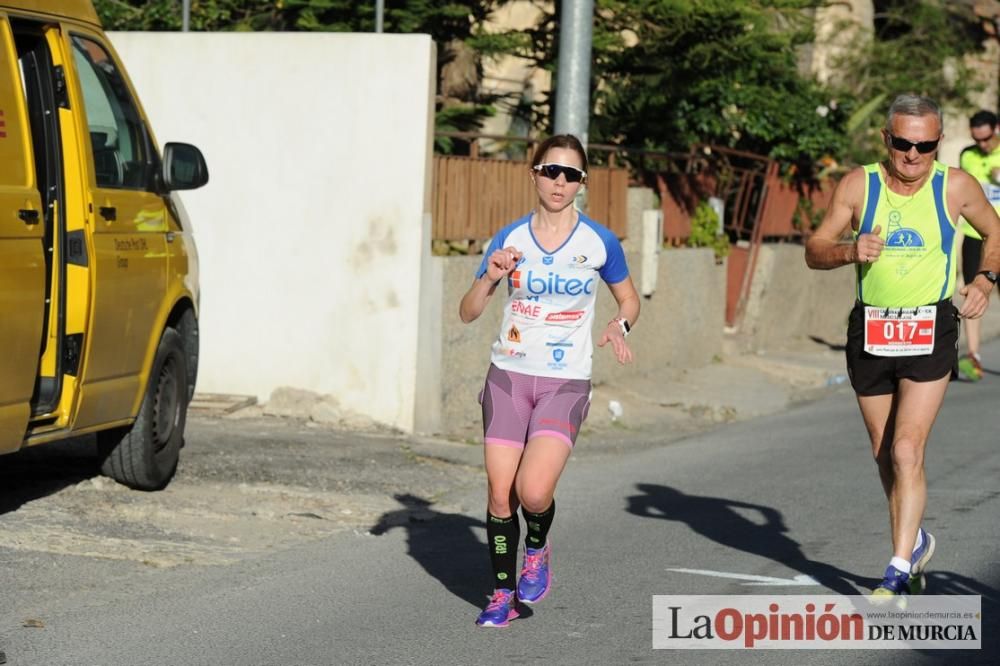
[902, 334]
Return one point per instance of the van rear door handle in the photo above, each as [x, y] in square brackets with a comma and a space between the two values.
[28, 216]
[109, 213]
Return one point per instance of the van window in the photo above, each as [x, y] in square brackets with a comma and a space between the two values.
[14, 160]
[118, 137]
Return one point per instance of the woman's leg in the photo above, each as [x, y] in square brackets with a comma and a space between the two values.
[503, 531]
[504, 432]
[541, 465]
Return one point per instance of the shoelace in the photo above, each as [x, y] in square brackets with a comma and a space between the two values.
[499, 598]
[532, 566]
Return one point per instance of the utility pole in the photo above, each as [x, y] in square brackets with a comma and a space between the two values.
[379, 14]
[576, 27]
[186, 16]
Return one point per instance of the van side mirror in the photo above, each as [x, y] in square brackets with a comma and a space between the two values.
[184, 167]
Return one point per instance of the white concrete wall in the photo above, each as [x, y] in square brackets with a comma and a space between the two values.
[312, 230]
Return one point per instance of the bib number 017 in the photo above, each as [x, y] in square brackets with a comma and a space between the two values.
[900, 331]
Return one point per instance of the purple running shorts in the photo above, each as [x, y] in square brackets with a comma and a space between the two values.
[518, 407]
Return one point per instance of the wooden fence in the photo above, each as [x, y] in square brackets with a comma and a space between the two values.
[474, 196]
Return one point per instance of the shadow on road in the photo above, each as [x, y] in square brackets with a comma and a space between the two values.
[44, 470]
[445, 545]
[715, 518]
[949, 582]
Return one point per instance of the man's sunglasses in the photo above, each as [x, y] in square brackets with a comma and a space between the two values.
[552, 170]
[923, 147]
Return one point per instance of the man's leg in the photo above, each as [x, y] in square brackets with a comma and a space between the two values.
[898, 426]
[918, 406]
[878, 412]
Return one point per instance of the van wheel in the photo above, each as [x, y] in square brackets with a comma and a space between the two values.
[144, 455]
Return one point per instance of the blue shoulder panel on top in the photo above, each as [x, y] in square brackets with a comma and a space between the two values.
[947, 230]
[614, 269]
[871, 203]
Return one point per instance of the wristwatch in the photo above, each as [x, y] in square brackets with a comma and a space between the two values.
[990, 275]
[623, 324]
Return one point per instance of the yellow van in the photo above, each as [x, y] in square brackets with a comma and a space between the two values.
[98, 268]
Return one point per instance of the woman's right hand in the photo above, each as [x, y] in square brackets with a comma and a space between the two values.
[502, 262]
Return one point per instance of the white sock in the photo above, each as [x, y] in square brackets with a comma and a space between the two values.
[920, 540]
[901, 564]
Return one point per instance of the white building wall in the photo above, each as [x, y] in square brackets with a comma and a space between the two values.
[312, 229]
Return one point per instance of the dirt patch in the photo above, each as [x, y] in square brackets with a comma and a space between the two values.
[244, 486]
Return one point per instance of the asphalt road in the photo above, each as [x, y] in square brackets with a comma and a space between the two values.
[790, 495]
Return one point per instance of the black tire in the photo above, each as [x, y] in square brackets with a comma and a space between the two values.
[144, 455]
[187, 326]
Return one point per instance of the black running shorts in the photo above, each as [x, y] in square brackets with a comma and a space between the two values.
[880, 375]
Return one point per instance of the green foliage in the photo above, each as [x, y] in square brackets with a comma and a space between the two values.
[807, 215]
[705, 231]
[667, 73]
[713, 71]
[442, 20]
[447, 22]
[918, 47]
[205, 14]
[458, 118]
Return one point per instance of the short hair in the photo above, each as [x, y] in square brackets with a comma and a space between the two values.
[983, 117]
[560, 141]
[908, 104]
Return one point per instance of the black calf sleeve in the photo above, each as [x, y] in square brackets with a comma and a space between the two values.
[502, 535]
[538, 526]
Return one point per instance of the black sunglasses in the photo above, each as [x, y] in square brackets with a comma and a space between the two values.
[573, 175]
[923, 147]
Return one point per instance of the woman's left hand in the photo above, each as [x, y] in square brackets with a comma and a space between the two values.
[613, 334]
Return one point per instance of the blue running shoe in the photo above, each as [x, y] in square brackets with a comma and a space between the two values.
[500, 611]
[536, 575]
[894, 582]
[921, 556]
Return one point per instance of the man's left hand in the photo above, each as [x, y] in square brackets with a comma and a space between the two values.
[977, 297]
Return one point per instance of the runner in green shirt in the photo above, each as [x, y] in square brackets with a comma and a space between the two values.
[982, 161]
[902, 336]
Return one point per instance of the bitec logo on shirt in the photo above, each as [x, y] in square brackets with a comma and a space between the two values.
[551, 283]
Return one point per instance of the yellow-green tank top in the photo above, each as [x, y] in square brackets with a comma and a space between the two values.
[916, 266]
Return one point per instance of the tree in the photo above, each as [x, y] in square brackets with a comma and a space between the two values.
[714, 71]
[918, 46]
[453, 24]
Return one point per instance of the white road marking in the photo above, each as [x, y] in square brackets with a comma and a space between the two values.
[801, 579]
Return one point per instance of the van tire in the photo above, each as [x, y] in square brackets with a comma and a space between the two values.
[187, 326]
[144, 455]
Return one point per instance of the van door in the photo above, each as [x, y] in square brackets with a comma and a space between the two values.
[128, 219]
[22, 260]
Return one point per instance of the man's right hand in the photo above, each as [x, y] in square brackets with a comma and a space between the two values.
[868, 247]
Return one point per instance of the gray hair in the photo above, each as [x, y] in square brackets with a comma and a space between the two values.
[913, 105]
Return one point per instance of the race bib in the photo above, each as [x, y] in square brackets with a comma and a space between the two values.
[900, 331]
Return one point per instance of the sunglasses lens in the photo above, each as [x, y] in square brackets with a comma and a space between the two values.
[904, 146]
[901, 145]
[553, 170]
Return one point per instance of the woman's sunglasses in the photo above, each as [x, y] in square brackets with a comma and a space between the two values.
[552, 170]
[923, 147]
